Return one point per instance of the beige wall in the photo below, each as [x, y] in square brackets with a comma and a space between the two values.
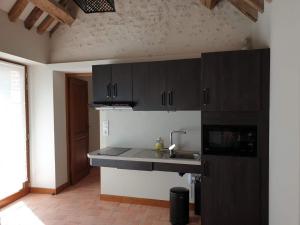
[276, 29]
[41, 119]
[60, 130]
[16, 40]
[149, 28]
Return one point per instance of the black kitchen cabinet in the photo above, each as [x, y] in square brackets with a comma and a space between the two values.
[183, 84]
[112, 83]
[230, 191]
[122, 82]
[167, 85]
[231, 81]
[101, 83]
[149, 86]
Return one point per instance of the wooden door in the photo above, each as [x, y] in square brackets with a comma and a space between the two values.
[78, 129]
[230, 191]
[184, 84]
[122, 83]
[102, 86]
[231, 81]
[149, 86]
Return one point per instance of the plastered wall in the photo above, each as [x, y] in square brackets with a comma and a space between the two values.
[16, 40]
[275, 30]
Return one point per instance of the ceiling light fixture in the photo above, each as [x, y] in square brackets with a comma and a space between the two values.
[95, 6]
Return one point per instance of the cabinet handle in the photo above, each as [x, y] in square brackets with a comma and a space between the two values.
[108, 90]
[163, 98]
[170, 98]
[115, 90]
[205, 96]
[205, 170]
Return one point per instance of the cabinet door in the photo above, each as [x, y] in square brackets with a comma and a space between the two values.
[231, 81]
[122, 83]
[102, 83]
[184, 84]
[230, 191]
[149, 86]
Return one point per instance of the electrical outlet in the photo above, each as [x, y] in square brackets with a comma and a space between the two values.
[105, 128]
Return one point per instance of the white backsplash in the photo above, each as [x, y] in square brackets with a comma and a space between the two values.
[141, 129]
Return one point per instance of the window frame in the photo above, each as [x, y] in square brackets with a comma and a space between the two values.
[26, 185]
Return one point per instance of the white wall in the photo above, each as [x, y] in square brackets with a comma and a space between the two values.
[140, 130]
[60, 131]
[15, 39]
[278, 29]
[42, 155]
[143, 28]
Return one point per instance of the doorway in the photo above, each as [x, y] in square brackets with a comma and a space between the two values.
[82, 125]
[14, 132]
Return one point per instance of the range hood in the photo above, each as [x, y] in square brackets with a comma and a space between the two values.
[113, 105]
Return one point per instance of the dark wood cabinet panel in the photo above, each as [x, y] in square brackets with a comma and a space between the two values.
[122, 164]
[183, 84]
[180, 168]
[167, 85]
[112, 83]
[102, 83]
[149, 86]
[122, 83]
[231, 81]
[230, 191]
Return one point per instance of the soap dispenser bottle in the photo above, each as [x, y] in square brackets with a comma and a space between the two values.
[159, 144]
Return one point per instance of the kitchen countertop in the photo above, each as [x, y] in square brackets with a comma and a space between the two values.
[145, 155]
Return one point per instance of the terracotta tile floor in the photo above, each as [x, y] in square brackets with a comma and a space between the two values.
[80, 205]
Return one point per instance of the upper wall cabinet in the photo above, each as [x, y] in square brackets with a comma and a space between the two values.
[101, 83]
[112, 83]
[149, 86]
[184, 84]
[167, 85]
[231, 81]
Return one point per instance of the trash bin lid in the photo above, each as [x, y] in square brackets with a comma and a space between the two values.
[179, 190]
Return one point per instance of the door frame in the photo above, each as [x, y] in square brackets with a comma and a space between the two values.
[68, 130]
[26, 186]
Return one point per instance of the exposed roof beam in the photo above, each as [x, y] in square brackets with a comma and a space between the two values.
[55, 10]
[54, 29]
[45, 24]
[246, 9]
[257, 4]
[17, 10]
[210, 3]
[33, 17]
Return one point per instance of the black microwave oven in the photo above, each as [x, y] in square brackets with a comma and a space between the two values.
[229, 140]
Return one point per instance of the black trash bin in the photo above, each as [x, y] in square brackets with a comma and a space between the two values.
[179, 206]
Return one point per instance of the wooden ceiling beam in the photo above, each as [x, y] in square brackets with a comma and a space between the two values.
[246, 9]
[54, 29]
[17, 10]
[210, 3]
[31, 19]
[55, 10]
[257, 4]
[45, 24]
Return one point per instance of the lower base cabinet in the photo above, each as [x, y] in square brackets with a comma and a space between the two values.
[230, 191]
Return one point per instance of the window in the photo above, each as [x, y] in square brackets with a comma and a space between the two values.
[13, 130]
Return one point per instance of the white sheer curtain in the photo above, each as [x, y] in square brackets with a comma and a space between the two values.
[13, 161]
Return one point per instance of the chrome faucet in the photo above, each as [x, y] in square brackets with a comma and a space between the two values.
[172, 146]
